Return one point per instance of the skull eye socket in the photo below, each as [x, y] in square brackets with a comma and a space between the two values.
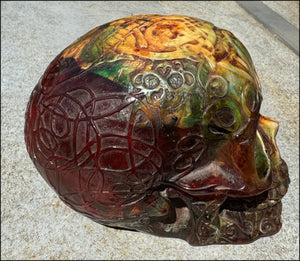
[222, 122]
[225, 117]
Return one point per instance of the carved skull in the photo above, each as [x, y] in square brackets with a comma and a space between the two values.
[151, 123]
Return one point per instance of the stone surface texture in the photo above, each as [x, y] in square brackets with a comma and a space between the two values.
[35, 224]
[289, 10]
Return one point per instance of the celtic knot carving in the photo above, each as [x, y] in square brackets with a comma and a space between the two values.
[164, 85]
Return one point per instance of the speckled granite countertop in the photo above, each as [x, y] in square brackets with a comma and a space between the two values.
[35, 224]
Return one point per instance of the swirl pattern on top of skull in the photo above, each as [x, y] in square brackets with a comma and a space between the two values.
[152, 123]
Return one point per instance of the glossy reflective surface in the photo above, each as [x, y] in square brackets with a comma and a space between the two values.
[152, 123]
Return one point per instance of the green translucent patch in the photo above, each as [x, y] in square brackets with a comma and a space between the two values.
[109, 70]
[261, 161]
[91, 51]
[116, 71]
[203, 73]
[190, 121]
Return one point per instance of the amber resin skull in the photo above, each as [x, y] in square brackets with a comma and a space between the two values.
[151, 123]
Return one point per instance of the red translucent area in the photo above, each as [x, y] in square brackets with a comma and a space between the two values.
[87, 141]
[115, 160]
